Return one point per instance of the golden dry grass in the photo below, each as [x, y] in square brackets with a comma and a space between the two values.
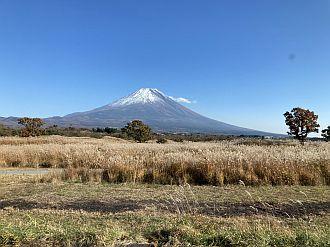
[218, 163]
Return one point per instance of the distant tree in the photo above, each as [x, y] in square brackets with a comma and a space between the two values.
[32, 126]
[100, 130]
[109, 130]
[52, 130]
[326, 134]
[137, 130]
[161, 140]
[5, 131]
[301, 122]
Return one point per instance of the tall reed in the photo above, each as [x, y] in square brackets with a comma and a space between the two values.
[225, 162]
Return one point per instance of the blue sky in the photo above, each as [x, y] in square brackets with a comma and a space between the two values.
[243, 62]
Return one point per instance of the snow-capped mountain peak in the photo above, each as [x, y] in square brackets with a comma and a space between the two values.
[162, 113]
[141, 96]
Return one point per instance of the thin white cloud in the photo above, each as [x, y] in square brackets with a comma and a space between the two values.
[182, 100]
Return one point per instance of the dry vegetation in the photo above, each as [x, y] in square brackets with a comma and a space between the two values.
[218, 163]
[65, 213]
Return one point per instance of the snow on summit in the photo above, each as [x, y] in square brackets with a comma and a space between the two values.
[142, 96]
[161, 112]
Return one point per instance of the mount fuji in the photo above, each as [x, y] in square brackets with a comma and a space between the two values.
[161, 112]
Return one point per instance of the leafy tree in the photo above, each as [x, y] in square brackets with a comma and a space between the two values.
[5, 131]
[32, 126]
[109, 130]
[99, 130]
[52, 130]
[301, 122]
[106, 130]
[161, 140]
[137, 130]
[326, 134]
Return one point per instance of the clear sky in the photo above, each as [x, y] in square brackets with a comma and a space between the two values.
[241, 62]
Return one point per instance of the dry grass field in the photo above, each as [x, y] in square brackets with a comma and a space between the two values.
[111, 192]
[219, 163]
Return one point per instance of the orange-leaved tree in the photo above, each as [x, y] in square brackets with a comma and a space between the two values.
[32, 126]
[301, 122]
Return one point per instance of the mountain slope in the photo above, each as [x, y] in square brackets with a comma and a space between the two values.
[9, 121]
[154, 108]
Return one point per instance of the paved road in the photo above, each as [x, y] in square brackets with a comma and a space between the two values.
[28, 171]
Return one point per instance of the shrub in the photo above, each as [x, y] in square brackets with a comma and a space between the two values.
[326, 134]
[161, 140]
[138, 131]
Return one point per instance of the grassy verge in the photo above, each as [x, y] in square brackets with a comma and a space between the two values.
[67, 228]
[76, 214]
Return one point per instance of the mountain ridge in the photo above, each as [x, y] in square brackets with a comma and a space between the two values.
[154, 108]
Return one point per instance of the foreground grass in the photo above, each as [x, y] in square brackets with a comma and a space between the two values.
[72, 228]
[76, 214]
